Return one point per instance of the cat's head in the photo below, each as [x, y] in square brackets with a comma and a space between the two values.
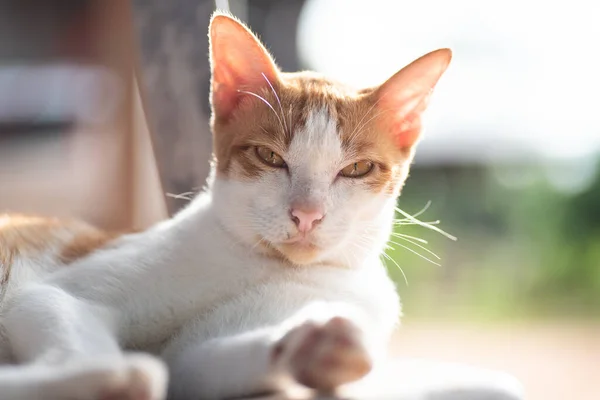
[308, 169]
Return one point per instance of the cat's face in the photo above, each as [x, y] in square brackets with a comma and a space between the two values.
[308, 169]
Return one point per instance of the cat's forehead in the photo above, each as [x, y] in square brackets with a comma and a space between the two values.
[316, 143]
[307, 103]
[310, 92]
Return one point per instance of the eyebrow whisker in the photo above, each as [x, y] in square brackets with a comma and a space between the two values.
[277, 97]
[264, 101]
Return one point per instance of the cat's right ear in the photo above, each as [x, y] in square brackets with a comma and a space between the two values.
[403, 98]
[239, 62]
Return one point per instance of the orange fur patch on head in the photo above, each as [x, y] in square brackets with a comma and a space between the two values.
[254, 123]
[255, 104]
[270, 118]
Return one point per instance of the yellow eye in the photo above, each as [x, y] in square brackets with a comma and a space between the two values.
[269, 157]
[357, 169]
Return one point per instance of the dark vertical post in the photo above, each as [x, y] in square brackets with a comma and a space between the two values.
[173, 78]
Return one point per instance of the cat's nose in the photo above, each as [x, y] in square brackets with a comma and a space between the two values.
[306, 218]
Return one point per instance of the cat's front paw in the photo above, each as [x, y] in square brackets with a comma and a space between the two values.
[323, 356]
[136, 377]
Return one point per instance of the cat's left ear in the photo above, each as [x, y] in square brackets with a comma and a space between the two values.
[239, 62]
[403, 98]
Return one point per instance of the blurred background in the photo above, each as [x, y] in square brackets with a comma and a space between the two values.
[509, 163]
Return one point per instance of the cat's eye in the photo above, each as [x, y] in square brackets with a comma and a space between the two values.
[357, 169]
[269, 157]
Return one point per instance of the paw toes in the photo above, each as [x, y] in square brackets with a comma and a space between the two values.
[326, 356]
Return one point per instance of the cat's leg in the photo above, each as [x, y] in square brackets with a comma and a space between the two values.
[68, 346]
[98, 378]
[321, 352]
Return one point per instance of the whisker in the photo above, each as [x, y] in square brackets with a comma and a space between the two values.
[277, 97]
[181, 196]
[264, 101]
[418, 245]
[359, 125]
[409, 222]
[290, 113]
[422, 210]
[384, 254]
[370, 119]
[428, 225]
[364, 240]
[417, 253]
[257, 243]
[409, 237]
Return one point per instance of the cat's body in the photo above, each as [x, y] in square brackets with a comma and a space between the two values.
[273, 274]
[226, 291]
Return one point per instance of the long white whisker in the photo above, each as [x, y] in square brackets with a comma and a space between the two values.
[369, 120]
[290, 112]
[396, 234]
[418, 245]
[396, 264]
[422, 210]
[266, 102]
[277, 97]
[257, 243]
[408, 222]
[181, 196]
[424, 224]
[417, 253]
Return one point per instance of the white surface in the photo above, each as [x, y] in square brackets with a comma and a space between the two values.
[420, 379]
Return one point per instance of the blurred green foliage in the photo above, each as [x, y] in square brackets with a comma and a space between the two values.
[525, 248]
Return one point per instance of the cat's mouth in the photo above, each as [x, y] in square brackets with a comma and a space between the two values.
[302, 240]
[299, 249]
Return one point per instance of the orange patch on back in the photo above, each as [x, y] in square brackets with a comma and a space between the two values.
[30, 237]
[84, 244]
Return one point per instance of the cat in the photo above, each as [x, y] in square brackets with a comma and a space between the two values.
[269, 277]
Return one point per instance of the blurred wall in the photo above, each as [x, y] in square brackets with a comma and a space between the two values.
[72, 138]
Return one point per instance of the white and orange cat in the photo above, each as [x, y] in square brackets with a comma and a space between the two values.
[271, 276]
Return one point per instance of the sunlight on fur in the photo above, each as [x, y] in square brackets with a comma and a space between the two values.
[270, 277]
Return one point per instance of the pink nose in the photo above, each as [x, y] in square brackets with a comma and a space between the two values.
[306, 220]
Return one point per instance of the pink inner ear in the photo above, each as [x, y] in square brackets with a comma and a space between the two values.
[224, 100]
[405, 108]
[405, 96]
[406, 132]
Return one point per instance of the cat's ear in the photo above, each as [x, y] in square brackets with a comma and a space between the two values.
[403, 98]
[238, 62]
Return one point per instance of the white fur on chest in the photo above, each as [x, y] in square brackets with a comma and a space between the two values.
[284, 294]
